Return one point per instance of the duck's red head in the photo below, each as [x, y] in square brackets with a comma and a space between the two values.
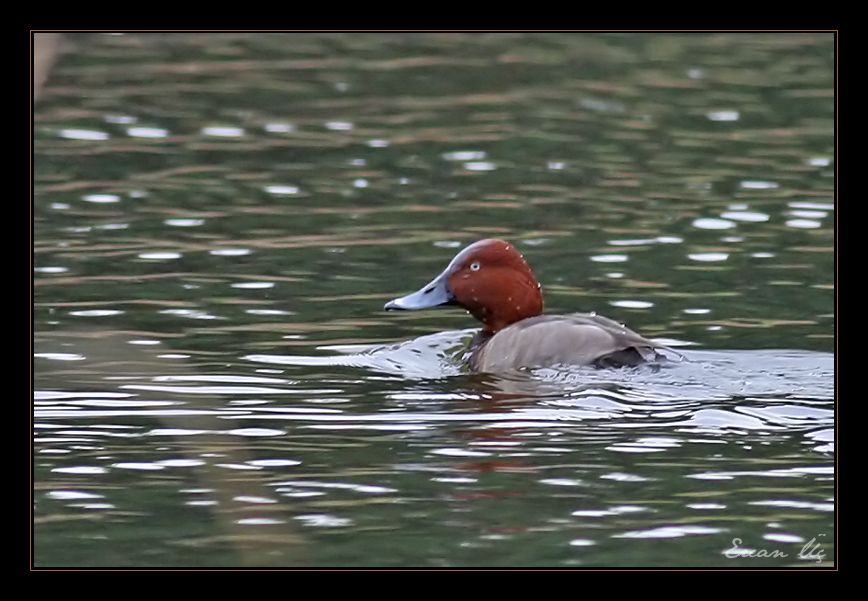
[490, 279]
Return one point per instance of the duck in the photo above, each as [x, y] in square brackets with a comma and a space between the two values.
[493, 282]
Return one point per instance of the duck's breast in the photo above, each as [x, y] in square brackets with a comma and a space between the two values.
[576, 339]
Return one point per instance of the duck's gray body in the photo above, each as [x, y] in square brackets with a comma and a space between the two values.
[572, 339]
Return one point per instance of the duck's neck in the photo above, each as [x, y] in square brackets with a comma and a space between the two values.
[476, 343]
[520, 304]
[479, 338]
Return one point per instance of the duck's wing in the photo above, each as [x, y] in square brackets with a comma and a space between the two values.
[624, 336]
[575, 339]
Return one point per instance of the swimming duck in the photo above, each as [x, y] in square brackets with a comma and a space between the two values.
[492, 281]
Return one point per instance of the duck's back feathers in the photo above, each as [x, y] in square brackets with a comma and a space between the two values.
[574, 339]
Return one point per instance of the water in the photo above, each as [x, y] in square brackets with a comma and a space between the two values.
[220, 218]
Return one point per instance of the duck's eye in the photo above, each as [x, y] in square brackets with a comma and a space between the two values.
[475, 266]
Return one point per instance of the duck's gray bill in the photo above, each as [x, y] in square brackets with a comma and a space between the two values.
[436, 293]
